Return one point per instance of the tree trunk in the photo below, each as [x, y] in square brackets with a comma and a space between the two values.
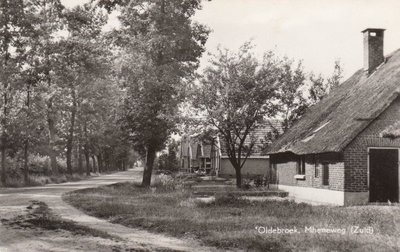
[80, 160]
[148, 169]
[70, 140]
[6, 42]
[4, 138]
[69, 158]
[26, 144]
[75, 155]
[3, 163]
[107, 160]
[26, 167]
[94, 164]
[87, 158]
[104, 157]
[52, 141]
[100, 162]
[238, 177]
[51, 125]
[86, 149]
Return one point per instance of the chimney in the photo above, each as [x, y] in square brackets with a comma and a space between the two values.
[373, 48]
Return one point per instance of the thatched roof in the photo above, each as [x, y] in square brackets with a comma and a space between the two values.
[334, 122]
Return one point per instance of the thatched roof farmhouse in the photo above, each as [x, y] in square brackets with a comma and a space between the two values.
[339, 151]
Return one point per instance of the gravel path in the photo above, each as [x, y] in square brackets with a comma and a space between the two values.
[13, 202]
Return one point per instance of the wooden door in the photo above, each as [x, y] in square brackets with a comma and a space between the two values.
[384, 175]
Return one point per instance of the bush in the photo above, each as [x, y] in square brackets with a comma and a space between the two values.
[38, 180]
[38, 164]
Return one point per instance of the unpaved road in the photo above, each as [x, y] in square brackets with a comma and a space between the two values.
[14, 202]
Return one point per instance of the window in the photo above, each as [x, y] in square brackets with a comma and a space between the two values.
[325, 174]
[301, 166]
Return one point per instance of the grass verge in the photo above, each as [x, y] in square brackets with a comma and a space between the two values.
[230, 222]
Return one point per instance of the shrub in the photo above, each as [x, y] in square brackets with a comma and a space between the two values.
[38, 164]
[258, 182]
[38, 180]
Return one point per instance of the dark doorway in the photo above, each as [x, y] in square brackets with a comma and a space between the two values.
[384, 175]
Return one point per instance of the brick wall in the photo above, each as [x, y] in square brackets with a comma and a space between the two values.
[373, 50]
[356, 153]
[286, 168]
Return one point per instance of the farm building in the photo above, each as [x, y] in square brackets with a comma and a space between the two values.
[211, 157]
[199, 155]
[345, 149]
[258, 162]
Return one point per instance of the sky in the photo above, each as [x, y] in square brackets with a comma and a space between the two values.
[318, 32]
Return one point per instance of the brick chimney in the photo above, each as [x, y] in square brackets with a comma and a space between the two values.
[373, 48]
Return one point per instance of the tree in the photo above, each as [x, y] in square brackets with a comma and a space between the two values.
[318, 89]
[162, 47]
[321, 87]
[237, 91]
[57, 92]
[12, 50]
[47, 20]
[83, 63]
[291, 100]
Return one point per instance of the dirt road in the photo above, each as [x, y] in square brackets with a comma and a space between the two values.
[14, 203]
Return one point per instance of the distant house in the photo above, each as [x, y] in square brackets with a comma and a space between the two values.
[258, 162]
[197, 155]
[339, 152]
[210, 156]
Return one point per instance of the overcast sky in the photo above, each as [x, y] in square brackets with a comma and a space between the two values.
[316, 31]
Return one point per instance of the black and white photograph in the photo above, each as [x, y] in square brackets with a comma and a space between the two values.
[199, 125]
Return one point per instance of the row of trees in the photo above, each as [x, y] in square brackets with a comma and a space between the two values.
[59, 97]
[72, 92]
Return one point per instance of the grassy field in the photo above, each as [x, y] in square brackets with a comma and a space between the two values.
[230, 222]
